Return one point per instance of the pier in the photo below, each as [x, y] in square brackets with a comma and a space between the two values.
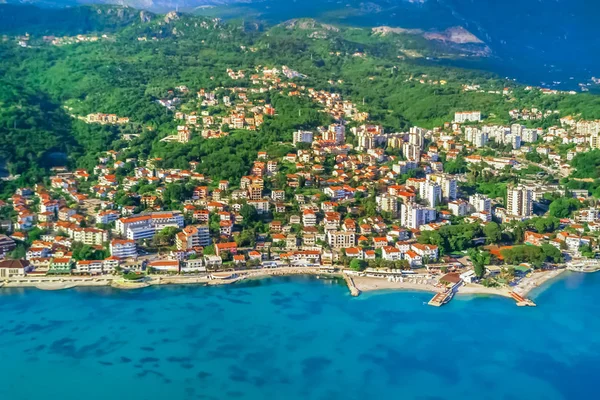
[453, 282]
[521, 301]
[441, 298]
[354, 291]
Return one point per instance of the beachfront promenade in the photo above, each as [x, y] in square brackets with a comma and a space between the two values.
[357, 282]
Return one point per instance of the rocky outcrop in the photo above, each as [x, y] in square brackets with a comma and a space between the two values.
[171, 16]
[456, 34]
[308, 24]
[145, 16]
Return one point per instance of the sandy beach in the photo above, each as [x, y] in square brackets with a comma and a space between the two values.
[471, 288]
[537, 279]
[369, 284]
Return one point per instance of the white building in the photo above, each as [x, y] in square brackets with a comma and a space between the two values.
[459, 208]
[302, 137]
[519, 201]
[123, 248]
[147, 225]
[467, 116]
[480, 203]
[413, 215]
[432, 193]
[341, 239]
[448, 185]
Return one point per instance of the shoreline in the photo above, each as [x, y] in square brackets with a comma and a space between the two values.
[356, 284]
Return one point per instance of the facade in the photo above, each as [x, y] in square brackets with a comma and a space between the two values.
[467, 116]
[341, 239]
[92, 267]
[413, 215]
[458, 208]
[302, 137]
[10, 268]
[147, 225]
[193, 265]
[519, 201]
[6, 245]
[89, 236]
[335, 133]
[480, 203]
[193, 236]
[123, 248]
[60, 265]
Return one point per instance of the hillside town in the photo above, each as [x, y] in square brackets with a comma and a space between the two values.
[399, 206]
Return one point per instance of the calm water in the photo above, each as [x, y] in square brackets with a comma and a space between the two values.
[296, 338]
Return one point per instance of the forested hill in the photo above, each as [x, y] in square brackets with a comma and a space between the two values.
[48, 84]
[16, 19]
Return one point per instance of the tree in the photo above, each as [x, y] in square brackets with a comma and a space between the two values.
[86, 252]
[358, 265]
[479, 259]
[18, 253]
[246, 238]
[249, 214]
[563, 207]
[209, 250]
[492, 232]
[166, 237]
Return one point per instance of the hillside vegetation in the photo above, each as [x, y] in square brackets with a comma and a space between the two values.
[143, 56]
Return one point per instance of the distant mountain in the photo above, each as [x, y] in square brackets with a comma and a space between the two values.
[76, 20]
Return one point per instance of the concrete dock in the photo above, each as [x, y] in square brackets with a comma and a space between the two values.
[354, 291]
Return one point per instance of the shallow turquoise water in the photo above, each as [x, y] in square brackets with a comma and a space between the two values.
[297, 338]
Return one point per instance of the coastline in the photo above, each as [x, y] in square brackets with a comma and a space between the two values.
[356, 284]
[525, 286]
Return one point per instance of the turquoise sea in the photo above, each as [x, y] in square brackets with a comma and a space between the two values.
[297, 338]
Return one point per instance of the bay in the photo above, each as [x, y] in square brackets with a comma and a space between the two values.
[297, 338]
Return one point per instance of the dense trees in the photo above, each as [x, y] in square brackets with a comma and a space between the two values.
[85, 252]
[451, 238]
[358, 265]
[587, 165]
[563, 207]
[493, 232]
[535, 255]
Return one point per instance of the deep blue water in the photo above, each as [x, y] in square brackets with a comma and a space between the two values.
[297, 338]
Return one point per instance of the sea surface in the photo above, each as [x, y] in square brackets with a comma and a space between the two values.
[297, 338]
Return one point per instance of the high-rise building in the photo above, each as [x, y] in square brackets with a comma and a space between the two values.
[432, 193]
[335, 133]
[519, 201]
[480, 139]
[448, 184]
[413, 215]
[411, 152]
[516, 141]
[388, 203]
